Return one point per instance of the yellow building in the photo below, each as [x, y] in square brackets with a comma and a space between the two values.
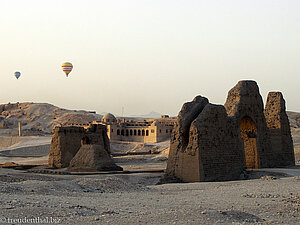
[146, 131]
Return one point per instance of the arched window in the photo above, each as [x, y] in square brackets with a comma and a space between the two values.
[139, 132]
[143, 132]
[122, 132]
[127, 132]
[118, 132]
[130, 132]
[134, 132]
[147, 132]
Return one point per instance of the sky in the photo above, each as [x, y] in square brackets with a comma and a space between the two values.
[147, 55]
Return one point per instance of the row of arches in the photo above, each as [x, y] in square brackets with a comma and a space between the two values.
[131, 132]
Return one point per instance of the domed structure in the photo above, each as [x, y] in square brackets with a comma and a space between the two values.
[109, 118]
[155, 123]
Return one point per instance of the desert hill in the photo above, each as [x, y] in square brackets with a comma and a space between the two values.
[294, 118]
[40, 117]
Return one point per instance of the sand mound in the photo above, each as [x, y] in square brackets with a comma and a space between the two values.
[294, 118]
[135, 147]
[40, 187]
[63, 187]
[92, 158]
[163, 155]
[109, 185]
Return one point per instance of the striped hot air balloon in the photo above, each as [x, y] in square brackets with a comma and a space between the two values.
[67, 68]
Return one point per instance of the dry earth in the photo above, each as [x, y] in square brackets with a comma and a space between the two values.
[266, 198]
[294, 118]
[133, 199]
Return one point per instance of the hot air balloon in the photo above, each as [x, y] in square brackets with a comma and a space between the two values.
[67, 68]
[17, 75]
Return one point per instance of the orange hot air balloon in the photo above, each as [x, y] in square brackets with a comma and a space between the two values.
[67, 68]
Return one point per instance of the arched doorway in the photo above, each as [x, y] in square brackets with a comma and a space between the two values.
[85, 141]
[249, 135]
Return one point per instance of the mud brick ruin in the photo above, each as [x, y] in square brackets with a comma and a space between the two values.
[215, 142]
[79, 143]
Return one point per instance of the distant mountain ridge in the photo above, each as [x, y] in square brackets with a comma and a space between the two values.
[149, 115]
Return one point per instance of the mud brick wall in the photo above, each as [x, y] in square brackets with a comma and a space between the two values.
[214, 142]
[244, 101]
[279, 129]
[66, 141]
[180, 135]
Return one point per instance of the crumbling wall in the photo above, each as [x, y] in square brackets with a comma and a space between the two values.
[180, 135]
[217, 143]
[66, 141]
[213, 142]
[279, 130]
[245, 101]
[212, 152]
[96, 133]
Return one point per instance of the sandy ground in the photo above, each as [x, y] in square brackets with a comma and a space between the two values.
[15, 142]
[32, 150]
[269, 196]
[134, 199]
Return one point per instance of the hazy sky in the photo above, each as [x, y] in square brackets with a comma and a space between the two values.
[147, 55]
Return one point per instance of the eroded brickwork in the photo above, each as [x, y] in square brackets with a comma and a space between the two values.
[66, 141]
[214, 142]
[180, 135]
[279, 129]
[92, 158]
[244, 100]
[212, 152]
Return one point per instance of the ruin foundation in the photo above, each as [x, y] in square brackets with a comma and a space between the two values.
[215, 143]
[66, 142]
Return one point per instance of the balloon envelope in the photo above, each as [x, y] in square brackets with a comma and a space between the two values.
[67, 68]
[17, 75]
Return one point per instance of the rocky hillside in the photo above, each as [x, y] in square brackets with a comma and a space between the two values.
[40, 117]
[294, 118]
